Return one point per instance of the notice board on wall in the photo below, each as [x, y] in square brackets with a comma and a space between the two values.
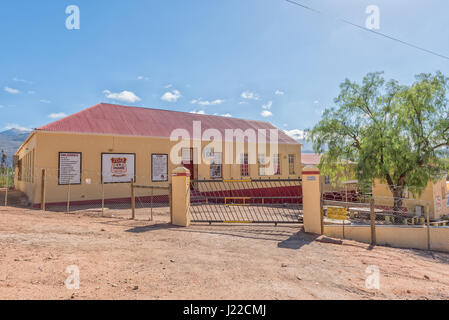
[118, 167]
[69, 168]
[159, 167]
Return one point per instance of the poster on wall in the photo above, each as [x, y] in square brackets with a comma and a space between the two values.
[69, 168]
[118, 167]
[159, 167]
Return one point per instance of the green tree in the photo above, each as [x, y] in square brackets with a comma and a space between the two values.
[396, 133]
[3, 161]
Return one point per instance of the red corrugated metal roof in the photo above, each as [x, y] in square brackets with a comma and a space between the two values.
[310, 159]
[106, 118]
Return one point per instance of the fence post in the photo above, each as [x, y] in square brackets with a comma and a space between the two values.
[170, 200]
[312, 217]
[151, 204]
[68, 194]
[102, 197]
[43, 190]
[7, 187]
[181, 197]
[429, 246]
[372, 216]
[133, 201]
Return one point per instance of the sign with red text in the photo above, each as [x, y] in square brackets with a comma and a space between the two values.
[118, 167]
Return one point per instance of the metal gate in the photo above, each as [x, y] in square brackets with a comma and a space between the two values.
[246, 201]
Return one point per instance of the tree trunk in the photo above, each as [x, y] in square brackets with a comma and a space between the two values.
[397, 196]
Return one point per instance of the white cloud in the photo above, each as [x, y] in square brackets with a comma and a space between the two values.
[171, 96]
[316, 102]
[22, 80]
[266, 113]
[250, 95]
[296, 134]
[268, 105]
[243, 102]
[143, 78]
[45, 101]
[168, 86]
[279, 93]
[198, 112]
[125, 96]
[58, 115]
[227, 115]
[11, 90]
[10, 126]
[201, 102]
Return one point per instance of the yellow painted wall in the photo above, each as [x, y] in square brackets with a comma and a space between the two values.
[395, 236]
[25, 186]
[47, 146]
[383, 196]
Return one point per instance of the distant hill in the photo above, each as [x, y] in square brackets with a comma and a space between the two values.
[10, 141]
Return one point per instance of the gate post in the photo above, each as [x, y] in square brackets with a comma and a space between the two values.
[181, 197]
[311, 199]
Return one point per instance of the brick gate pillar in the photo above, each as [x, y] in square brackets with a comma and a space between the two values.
[181, 197]
[311, 200]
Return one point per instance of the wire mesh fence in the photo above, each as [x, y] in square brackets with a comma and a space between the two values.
[6, 183]
[87, 194]
[246, 201]
[387, 211]
[378, 209]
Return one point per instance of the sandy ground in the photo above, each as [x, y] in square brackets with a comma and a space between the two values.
[123, 259]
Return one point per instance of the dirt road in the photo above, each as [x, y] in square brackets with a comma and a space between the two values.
[123, 259]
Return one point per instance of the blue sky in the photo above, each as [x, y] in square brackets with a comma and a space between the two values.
[257, 59]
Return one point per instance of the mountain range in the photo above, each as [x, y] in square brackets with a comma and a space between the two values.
[10, 141]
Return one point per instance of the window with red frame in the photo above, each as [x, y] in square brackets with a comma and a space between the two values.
[244, 166]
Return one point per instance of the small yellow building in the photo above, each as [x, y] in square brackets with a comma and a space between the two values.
[102, 148]
[434, 199]
[344, 184]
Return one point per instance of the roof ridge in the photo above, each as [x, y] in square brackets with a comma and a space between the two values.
[107, 118]
[176, 111]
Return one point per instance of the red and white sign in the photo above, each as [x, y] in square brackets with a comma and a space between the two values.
[118, 167]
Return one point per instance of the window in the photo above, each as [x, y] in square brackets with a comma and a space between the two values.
[215, 165]
[276, 164]
[261, 163]
[291, 164]
[327, 180]
[244, 167]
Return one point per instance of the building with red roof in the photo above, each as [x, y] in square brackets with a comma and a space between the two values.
[106, 145]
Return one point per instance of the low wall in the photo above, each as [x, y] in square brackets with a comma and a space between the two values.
[413, 237]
